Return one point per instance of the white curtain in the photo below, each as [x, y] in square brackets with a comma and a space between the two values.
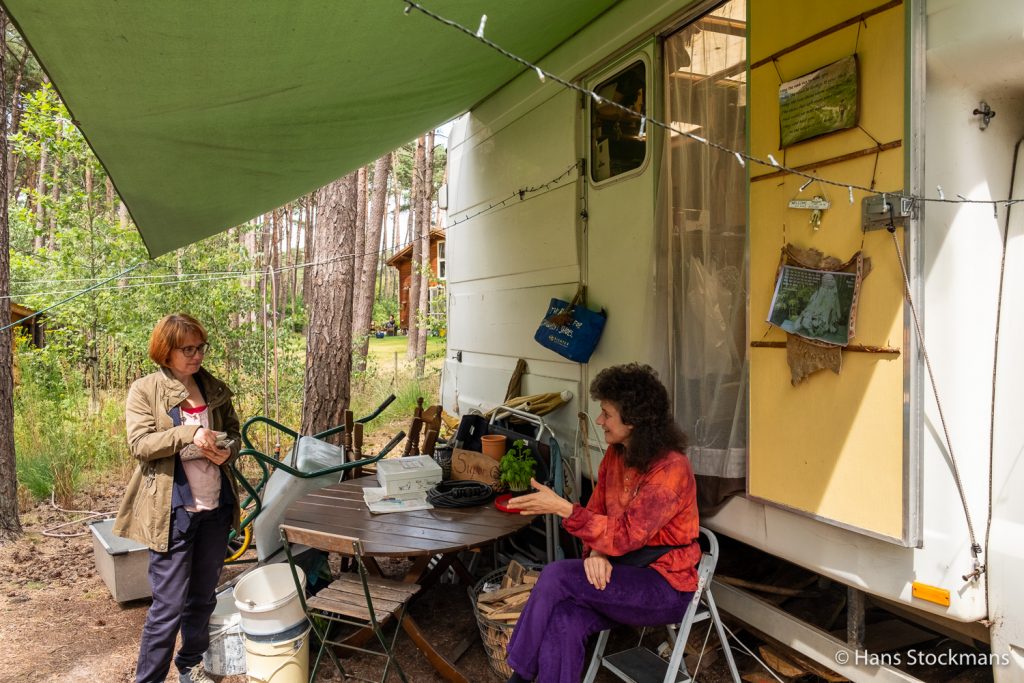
[705, 94]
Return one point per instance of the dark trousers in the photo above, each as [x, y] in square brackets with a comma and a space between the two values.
[184, 580]
[550, 639]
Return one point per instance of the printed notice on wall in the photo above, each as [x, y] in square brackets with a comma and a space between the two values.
[816, 304]
[819, 102]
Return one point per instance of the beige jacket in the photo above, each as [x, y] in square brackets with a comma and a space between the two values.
[145, 512]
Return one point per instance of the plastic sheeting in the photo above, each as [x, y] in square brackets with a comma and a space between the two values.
[206, 114]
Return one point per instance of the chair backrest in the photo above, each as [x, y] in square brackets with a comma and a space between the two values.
[333, 543]
[708, 560]
[705, 572]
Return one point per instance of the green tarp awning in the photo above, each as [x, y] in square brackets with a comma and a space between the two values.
[208, 113]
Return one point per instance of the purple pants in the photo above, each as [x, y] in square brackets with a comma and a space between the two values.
[184, 580]
[549, 642]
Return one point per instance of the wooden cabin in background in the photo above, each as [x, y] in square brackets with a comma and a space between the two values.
[402, 261]
[33, 328]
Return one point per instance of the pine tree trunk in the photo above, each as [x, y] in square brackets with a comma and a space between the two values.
[308, 242]
[15, 123]
[39, 241]
[358, 251]
[395, 284]
[293, 287]
[374, 228]
[51, 237]
[426, 197]
[329, 342]
[10, 525]
[412, 232]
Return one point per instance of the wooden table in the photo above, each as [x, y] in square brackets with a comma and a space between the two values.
[421, 534]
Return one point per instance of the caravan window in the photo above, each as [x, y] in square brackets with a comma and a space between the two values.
[618, 139]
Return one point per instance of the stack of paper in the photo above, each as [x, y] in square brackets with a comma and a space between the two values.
[380, 502]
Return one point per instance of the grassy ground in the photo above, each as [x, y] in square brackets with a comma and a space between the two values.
[384, 349]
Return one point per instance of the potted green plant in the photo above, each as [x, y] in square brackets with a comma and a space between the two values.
[517, 466]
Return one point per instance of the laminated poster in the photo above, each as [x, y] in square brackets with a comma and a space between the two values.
[820, 102]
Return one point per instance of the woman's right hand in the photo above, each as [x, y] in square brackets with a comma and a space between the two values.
[598, 570]
[205, 439]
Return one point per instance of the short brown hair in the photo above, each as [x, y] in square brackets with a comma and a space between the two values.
[169, 334]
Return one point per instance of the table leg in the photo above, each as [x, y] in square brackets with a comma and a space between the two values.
[436, 659]
[419, 565]
[443, 563]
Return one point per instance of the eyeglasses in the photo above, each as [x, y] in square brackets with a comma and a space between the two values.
[189, 351]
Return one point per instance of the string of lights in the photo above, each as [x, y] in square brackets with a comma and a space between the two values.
[742, 157]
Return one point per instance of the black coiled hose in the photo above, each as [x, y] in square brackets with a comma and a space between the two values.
[460, 494]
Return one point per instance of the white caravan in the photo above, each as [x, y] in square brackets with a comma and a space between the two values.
[848, 472]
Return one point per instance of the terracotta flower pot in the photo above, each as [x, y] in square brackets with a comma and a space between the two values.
[493, 445]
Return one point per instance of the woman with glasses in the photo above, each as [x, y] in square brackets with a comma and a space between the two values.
[181, 501]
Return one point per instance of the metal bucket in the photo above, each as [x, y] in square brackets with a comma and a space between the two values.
[226, 653]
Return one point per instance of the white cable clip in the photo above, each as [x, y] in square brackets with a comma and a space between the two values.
[483, 22]
[942, 195]
[597, 98]
[772, 159]
[540, 74]
[739, 158]
[850, 188]
[643, 127]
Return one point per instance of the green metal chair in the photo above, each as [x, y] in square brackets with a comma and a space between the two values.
[355, 599]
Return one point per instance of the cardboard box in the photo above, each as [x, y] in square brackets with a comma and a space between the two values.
[122, 564]
[474, 466]
[411, 473]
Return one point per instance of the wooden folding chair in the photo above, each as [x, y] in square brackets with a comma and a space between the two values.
[356, 599]
[641, 665]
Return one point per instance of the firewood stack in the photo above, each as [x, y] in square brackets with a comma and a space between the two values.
[506, 603]
[498, 611]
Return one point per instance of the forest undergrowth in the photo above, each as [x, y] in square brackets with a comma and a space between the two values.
[66, 441]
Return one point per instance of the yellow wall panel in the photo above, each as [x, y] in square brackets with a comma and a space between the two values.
[832, 446]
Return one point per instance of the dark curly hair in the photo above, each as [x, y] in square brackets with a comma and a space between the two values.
[642, 401]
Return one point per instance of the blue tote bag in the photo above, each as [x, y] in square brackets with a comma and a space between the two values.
[571, 329]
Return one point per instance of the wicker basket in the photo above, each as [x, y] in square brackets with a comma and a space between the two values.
[495, 634]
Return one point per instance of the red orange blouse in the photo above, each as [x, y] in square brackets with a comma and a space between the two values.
[628, 511]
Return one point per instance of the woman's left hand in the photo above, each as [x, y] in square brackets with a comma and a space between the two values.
[218, 456]
[543, 502]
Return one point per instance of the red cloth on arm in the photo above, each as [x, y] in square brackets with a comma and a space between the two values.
[656, 508]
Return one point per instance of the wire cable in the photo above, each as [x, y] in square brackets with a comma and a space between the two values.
[70, 298]
[741, 156]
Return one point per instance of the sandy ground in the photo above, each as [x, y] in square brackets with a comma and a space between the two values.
[58, 621]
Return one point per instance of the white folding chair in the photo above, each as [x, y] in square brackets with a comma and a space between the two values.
[641, 665]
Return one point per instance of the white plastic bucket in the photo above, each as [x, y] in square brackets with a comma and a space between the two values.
[226, 654]
[283, 658]
[267, 600]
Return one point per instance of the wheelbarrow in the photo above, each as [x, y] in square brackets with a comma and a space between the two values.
[311, 464]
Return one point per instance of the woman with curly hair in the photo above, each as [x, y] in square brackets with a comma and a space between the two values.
[639, 532]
